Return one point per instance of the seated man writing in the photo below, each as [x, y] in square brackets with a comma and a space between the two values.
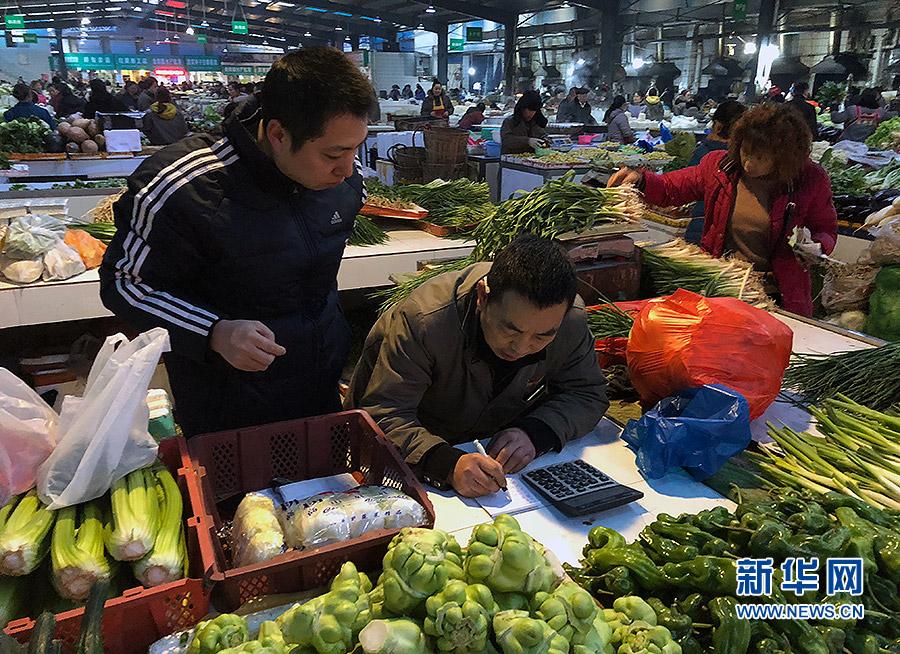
[496, 350]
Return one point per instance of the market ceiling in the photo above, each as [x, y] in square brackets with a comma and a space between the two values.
[333, 20]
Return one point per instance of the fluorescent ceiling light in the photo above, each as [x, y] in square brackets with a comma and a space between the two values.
[749, 48]
[430, 9]
[189, 31]
[472, 71]
[85, 20]
[637, 62]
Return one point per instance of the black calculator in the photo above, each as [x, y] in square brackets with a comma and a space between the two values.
[577, 488]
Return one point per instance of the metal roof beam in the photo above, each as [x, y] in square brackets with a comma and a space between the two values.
[475, 10]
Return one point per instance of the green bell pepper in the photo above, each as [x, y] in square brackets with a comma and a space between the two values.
[730, 634]
[706, 574]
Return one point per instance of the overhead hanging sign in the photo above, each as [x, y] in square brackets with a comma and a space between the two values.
[167, 61]
[202, 38]
[241, 70]
[739, 11]
[15, 21]
[474, 34]
[132, 62]
[200, 64]
[90, 61]
[30, 38]
[240, 27]
[456, 45]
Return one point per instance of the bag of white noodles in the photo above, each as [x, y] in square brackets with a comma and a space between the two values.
[334, 517]
[256, 530]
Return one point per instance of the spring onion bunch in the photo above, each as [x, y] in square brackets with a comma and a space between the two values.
[858, 454]
[609, 321]
[871, 375]
[678, 264]
[365, 232]
[458, 203]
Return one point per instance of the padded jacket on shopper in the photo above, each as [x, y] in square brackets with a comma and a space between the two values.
[619, 129]
[210, 229]
[514, 135]
[715, 180]
[422, 379]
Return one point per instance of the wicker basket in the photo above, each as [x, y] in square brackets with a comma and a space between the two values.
[409, 123]
[408, 162]
[446, 146]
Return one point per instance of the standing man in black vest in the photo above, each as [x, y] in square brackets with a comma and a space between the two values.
[233, 244]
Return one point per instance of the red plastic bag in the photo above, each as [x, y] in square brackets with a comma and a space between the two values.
[686, 340]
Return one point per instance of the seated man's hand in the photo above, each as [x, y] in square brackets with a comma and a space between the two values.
[512, 449]
[476, 475]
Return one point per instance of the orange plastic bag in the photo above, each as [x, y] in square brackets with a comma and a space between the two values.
[89, 248]
[686, 340]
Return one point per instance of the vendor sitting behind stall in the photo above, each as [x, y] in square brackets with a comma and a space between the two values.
[754, 195]
[496, 350]
[577, 110]
[25, 107]
[525, 130]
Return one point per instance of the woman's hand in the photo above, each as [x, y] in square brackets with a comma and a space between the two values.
[625, 176]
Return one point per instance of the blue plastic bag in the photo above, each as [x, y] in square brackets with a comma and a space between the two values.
[698, 429]
[665, 133]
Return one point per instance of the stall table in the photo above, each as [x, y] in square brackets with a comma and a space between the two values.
[84, 168]
[524, 177]
[488, 170]
[78, 298]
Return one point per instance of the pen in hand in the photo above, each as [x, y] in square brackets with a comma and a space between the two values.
[481, 450]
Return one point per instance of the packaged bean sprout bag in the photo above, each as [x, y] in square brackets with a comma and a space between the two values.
[884, 305]
[686, 340]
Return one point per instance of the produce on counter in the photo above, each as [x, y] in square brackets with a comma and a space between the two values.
[396, 636]
[845, 180]
[678, 264]
[76, 551]
[858, 454]
[135, 516]
[459, 203]
[866, 376]
[517, 633]
[256, 530]
[25, 535]
[681, 574]
[167, 561]
[23, 135]
[884, 305]
[365, 232]
[220, 633]
[609, 321]
[886, 135]
[459, 617]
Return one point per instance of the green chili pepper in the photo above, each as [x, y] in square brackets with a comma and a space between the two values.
[643, 568]
[770, 539]
[832, 501]
[714, 521]
[830, 544]
[767, 646]
[663, 550]
[618, 581]
[813, 520]
[690, 645]
[884, 591]
[887, 553]
[730, 634]
[694, 606]
[834, 638]
[600, 537]
[669, 617]
[708, 574]
[859, 642]
[862, 537]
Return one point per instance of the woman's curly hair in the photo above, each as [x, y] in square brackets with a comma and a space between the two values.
[777, 130]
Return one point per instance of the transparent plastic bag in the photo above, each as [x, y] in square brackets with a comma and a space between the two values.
[103, 435]
[847, 287]
[62, 262]
[28, 430]
[32, 235]
[21, 271]
[334, 517]
[256, 531]
[885, 249]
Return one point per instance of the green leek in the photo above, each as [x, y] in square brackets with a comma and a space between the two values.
[24, 540]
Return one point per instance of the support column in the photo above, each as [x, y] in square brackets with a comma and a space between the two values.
[63, 69]
[610, 41]
[443, 52]
[510, 37]
[354, 42]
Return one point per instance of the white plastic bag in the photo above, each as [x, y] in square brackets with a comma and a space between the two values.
[25, 271]
[28, 430]
[62, 262]
[32, 235]
[103, 435]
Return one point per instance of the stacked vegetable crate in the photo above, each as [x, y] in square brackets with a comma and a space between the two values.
[226, 465]
[140, 616]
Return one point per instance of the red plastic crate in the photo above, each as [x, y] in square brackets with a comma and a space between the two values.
[141, 616]
[230, 464]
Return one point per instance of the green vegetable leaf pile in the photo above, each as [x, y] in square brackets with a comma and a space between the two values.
[23, 135]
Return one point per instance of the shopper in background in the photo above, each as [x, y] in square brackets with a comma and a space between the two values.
[473, 116]
[101, 100]
[406, 93]
[25, 107]
[436, 103]
[577, 110]
[563, 111]
[395, 93]
[149, 86]
[236, 92]
[655, 110]
[129, 96]
[616, 119]
[637, 106]
[862, 118]
[724, 117]
[64, 101]
[800, 102]
[525, 130]
[37, 92]
[233, 244]
[164, 123]
[498, 349]
[420, 93]
[755, 195]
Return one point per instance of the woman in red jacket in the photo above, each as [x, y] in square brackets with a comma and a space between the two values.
[755, 194]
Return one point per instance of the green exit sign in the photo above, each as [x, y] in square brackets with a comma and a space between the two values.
[739, 12]
[456, 45]
[474, 34]
[15, 21]
[202, 38]
[240, 27]
[30, 38]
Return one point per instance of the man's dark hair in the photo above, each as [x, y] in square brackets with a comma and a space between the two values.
[800, 88]
[22, 92]
[537, 268]
[726, 114]
[307, 88]
[868, 99]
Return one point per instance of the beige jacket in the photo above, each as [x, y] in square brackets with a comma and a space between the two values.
[422, 381]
